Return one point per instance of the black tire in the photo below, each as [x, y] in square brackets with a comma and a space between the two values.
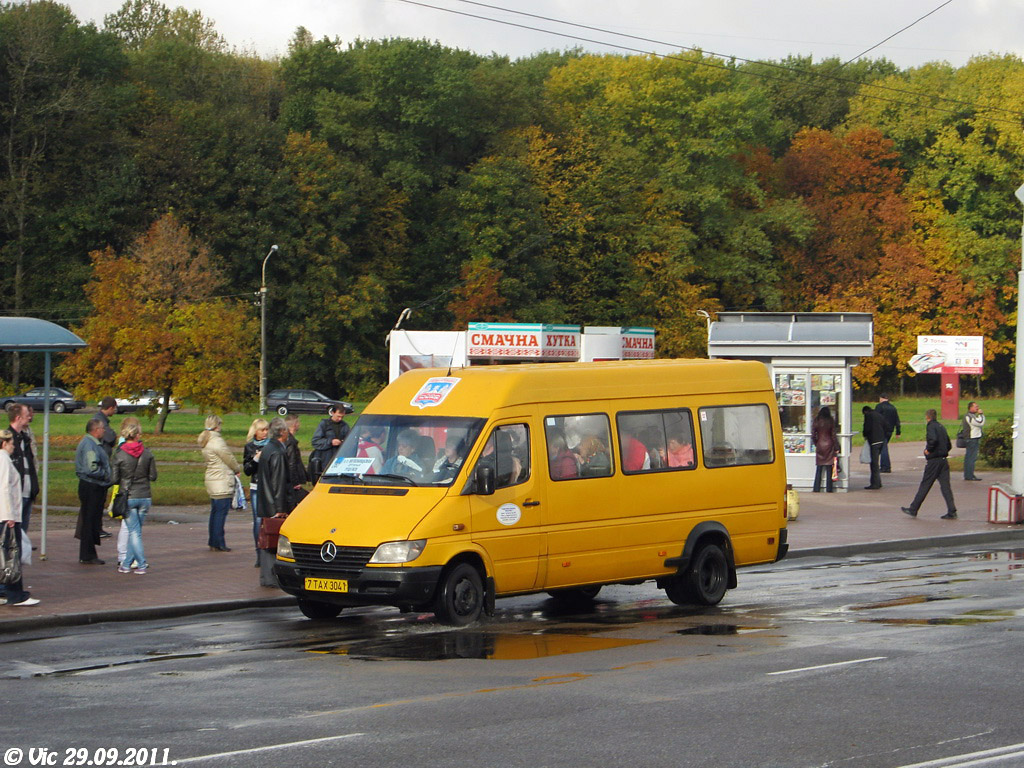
[460, 596]
[575, 595]
[283, 410]
[704, 582]
[59, 407]
[314, 609]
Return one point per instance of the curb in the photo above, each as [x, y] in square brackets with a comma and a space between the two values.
[140, 614]
[903, 545]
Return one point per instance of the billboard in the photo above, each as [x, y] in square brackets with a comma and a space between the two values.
[949, 354]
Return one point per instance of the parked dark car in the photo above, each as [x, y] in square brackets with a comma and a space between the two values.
[302, 401]
[60, 400]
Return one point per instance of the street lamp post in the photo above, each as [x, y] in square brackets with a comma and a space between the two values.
[263, 332]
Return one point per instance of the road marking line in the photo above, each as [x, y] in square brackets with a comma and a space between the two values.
[827, 666]
[973, 758]
[266, 749]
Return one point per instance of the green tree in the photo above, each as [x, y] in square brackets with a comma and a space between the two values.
[54, 79]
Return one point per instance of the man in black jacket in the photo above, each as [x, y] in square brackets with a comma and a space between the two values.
[874, 436]
[330, 434]
[891, 422]
[272, 473]
[936, 449]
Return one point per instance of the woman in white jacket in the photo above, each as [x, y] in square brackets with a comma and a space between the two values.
[10, 510]
[221, 472]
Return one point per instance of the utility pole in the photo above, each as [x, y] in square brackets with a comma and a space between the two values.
[263, 332]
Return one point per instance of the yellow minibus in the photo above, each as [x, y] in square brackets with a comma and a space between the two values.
[456, 487]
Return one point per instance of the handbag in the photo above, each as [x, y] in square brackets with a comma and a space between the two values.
[119, 504]
[10, 557]
[835, 467]
[270, 530]
[119, 507]
[865, 454]
[961, 436]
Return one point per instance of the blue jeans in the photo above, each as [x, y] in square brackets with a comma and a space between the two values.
[255, 521]
[971, 456]
[219, 509]
[137, 509]
[26, 513]
[884, 463]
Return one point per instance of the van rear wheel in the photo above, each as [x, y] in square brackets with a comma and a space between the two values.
[460, 596]
[318, 611]
[704, 582]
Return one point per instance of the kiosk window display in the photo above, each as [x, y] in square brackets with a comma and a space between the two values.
[801, 395]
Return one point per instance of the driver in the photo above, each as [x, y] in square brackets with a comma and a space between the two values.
[401, 463]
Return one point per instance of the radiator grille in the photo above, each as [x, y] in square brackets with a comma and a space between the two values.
[347, 559]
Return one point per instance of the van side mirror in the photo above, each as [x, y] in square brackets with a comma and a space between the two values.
[483, 480]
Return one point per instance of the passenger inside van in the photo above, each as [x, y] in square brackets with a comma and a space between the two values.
[680, 450]
[561, 461]
[594, 458]
[449, 463]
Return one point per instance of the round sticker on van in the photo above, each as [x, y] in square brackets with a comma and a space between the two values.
[509, 514]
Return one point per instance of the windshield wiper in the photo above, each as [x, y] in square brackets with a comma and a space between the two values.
[403, 478]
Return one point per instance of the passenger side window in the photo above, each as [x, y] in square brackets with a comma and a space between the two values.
[507, 451]
[578, 446]
[655, 441]
[736, 434]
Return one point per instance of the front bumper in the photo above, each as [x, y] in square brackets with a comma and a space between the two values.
[400, 587]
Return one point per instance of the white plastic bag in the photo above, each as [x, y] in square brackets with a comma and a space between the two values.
[26, 548]
[238, 499]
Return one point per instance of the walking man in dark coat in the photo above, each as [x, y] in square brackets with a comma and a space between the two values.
[936, 449]
[891, 422]
[874, 436]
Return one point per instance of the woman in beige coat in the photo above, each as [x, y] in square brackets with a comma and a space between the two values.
[221, 472]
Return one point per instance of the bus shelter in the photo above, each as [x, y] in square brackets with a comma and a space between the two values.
[30, 334]
[810, 356]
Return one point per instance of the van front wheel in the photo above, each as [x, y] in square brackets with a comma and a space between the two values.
[460, 596]
[318, 611]
[704, 582]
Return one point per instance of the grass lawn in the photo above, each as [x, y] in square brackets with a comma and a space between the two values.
[912, 415]
[912, 422]
[179, 462]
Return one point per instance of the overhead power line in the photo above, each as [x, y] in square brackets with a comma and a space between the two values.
[761, 75]
[897, 32]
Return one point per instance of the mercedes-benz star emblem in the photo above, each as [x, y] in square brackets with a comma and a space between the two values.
[328, 551]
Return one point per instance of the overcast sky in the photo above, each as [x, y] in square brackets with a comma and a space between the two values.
[754, 29]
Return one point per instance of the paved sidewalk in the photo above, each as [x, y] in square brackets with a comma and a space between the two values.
[186, 578]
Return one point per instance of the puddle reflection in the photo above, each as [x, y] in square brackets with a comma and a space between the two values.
[477, 645]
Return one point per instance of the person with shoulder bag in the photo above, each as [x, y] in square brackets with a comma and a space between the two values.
[221, 474]
[274, 486]
[134, 468]
[972, 430]
[10, 518]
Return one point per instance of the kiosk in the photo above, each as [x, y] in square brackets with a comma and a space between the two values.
[504, 343]
[810, 356]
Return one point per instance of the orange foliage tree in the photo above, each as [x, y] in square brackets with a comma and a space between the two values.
[157, 324]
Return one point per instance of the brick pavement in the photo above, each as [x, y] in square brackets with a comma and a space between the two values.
[185, 577]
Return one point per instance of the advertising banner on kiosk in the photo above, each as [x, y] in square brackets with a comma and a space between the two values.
[534, 342]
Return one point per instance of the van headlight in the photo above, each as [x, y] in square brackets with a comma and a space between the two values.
[284, 549]
[398, 551]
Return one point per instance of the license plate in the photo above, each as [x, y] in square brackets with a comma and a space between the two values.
[326, 585]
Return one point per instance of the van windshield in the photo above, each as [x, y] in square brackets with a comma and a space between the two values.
[404, 450]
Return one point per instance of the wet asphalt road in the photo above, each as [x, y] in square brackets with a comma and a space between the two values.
[887, 661]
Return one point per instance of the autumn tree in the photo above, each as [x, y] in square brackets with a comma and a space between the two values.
[157, 323]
